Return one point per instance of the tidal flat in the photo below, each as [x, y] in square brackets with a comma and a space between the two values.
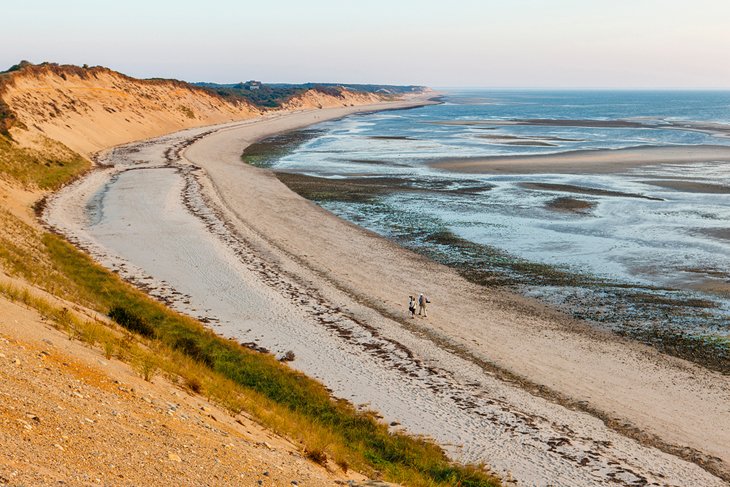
[573, 241]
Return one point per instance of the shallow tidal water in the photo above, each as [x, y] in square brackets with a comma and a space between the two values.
[653, 241]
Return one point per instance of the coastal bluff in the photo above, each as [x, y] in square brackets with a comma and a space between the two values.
[89, 109]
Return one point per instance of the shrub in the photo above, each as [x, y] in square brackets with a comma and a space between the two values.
[131, 321]
[193, 383]
[190, 347]
[317, 456]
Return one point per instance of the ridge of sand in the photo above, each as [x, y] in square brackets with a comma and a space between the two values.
[590, 161]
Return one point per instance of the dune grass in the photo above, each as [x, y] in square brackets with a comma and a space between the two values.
[47, 167]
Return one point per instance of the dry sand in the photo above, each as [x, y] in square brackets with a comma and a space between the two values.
[587, 161]
[490, 375]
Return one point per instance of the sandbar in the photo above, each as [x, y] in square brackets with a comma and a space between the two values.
[600, 161]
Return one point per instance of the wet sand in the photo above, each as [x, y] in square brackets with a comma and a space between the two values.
[570, 205]
[497, 377]
[690, 186]
[587, 161]
[570, 188]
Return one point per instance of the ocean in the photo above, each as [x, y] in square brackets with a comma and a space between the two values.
[643, 251]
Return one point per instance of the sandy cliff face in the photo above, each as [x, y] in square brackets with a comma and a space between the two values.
[91, 109]
[318, 99]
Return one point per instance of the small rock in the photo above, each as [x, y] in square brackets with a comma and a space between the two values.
[266, 474]
[174, 457]
[59, 447]
[16, 361]
[294, 482]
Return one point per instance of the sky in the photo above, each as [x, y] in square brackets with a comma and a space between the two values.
[445, 43]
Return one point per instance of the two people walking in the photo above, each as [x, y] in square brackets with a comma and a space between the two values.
[422, 302]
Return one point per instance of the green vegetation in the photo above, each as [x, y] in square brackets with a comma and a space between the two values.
[17, 67]
[265, 152]
[131, 322]
[265, 97]
[7, 119]
[489, 266]
[48, 167]
[323, 189]
[274, 95]
[187, 111]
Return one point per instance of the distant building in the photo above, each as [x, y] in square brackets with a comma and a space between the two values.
[252, 85]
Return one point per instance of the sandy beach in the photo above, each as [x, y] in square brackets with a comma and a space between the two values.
[602, 161]
[490, 375]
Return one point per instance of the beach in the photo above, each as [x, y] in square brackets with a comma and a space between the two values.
[490, 375]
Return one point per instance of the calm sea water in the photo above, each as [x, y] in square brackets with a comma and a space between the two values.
[679, 243]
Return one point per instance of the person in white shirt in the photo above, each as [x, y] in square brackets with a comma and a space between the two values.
[422, 302]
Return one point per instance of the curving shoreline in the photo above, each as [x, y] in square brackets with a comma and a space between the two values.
[303, 246]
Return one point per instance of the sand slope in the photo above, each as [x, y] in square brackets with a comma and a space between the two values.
[71, 416]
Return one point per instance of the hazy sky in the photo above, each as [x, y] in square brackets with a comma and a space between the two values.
[499, 43]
